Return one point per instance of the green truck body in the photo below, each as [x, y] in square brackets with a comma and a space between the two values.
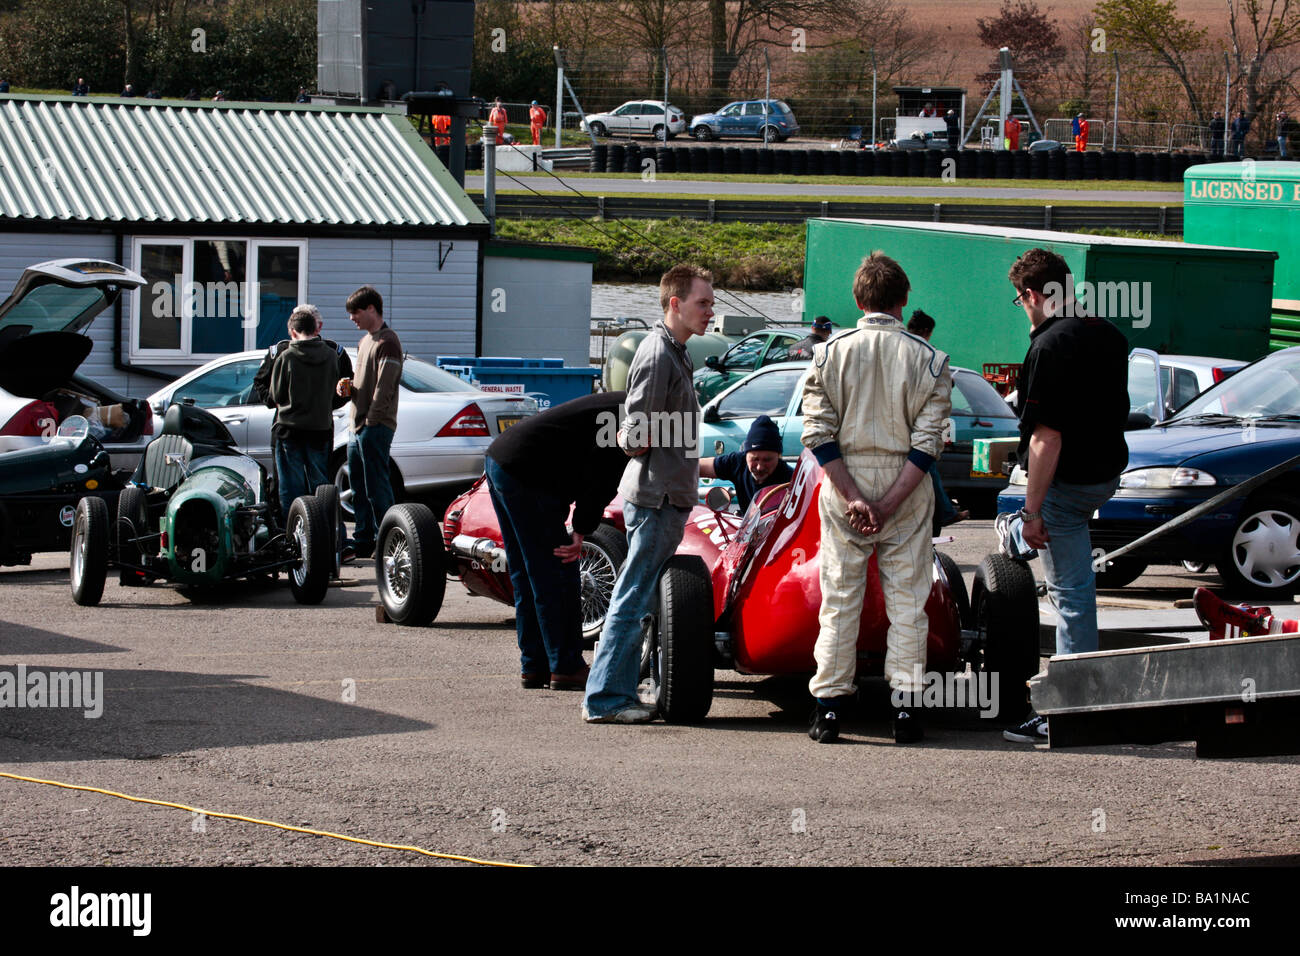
[1172, 297]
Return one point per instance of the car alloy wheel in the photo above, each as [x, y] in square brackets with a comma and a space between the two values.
[702, 133]
[597, 129]
[660, 133]
[770, 134]
[1264, 553]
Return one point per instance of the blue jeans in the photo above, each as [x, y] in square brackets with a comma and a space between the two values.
[548, 596]
[1281, 147]
[1068, 560]
[653, 535]
[299, 467]
[372, 489]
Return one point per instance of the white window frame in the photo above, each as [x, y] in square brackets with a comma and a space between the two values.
[184, 355]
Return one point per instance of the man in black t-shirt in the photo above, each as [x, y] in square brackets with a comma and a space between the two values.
[757, 465]
[1073, 406]
[567, 455]
[820, 332]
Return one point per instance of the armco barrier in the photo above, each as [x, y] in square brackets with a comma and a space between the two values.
[1157, 219]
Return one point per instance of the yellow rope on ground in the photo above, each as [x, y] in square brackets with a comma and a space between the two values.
[265, 823]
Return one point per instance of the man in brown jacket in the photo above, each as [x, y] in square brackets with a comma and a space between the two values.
[374, 416]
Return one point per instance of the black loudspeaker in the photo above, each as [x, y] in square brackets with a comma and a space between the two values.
[373, 51]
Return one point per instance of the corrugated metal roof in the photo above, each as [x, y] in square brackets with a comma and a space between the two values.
[94, 160]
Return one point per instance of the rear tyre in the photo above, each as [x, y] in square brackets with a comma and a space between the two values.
[328, 495]
[1120, 573]
[684, 635]
[1006, 617]
[957, 587]
[410, 566]
[89, 556]
[770, 134]
[603, 554]
[660, 133]
[308, 528]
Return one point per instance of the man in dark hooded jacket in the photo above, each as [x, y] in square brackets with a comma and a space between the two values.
[299, 384]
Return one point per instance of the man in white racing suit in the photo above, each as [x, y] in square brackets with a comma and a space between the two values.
[875, 406]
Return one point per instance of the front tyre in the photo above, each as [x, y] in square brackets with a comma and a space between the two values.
[1263, 553]
[308, 530]
[702, 133]
[1006, 619]
[328, 495]
[684, 635]
[410, 566]
[88, 559]
[597, 129]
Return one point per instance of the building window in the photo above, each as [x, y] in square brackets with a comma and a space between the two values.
[205, 298]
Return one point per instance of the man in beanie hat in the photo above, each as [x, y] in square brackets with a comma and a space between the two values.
[821, 331]
[757, 465]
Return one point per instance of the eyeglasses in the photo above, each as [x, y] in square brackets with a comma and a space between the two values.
[1016, 300]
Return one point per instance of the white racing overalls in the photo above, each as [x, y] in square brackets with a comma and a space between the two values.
[876, 397]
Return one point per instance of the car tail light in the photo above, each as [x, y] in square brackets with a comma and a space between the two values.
[467, 423]
[33, 420]
[1219, 374]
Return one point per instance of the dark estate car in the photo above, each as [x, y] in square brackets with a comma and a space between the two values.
[1239, 428]
[63, 436]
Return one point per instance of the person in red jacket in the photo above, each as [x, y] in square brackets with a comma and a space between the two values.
[441, 130]
[497, 118]
[1013, 133]
[1081, 139]
[536, 120]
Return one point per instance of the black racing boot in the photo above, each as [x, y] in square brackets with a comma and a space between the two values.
[824, 724]
[908, 726]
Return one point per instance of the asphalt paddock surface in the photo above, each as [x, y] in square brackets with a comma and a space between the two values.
[322, 718]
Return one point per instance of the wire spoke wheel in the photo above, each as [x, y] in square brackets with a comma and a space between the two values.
[395, 566]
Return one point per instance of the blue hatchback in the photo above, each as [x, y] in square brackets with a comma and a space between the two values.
[1233, 431]
[769, 120]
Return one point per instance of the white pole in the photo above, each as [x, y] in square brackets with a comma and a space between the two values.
[767, 95]
[873, 98]
[1114, 126]
[1004, 101]
[490, 175]
[559, 96]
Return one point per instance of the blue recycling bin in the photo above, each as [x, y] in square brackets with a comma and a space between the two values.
[546, 379]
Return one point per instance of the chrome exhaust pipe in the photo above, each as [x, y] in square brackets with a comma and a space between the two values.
[485, 551]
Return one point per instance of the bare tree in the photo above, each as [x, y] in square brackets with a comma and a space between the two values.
[1263, 39]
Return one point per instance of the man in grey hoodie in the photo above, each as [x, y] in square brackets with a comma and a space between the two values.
[302, 380]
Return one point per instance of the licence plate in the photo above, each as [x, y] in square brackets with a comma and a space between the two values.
[505, 421]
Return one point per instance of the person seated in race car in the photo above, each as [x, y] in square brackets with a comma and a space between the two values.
[1238, 620]
[757, 465]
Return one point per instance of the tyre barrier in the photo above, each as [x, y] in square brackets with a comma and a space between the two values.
[1126, 166]
[1163, 168]
[1002, 164]
[474, 156]
[1092, 165]
[1144, 167]
[617, 157]
[929, 164]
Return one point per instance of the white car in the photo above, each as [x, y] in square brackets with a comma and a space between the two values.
[444, 424]
[638, 116]
[1182, 378]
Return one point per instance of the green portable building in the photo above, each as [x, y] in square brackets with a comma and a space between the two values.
[1173, 297]
[1252, 205]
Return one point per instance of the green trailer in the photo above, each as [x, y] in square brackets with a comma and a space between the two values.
[1252, 205]
[1171, 297]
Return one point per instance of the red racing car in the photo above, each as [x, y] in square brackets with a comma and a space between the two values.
[742, 593]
